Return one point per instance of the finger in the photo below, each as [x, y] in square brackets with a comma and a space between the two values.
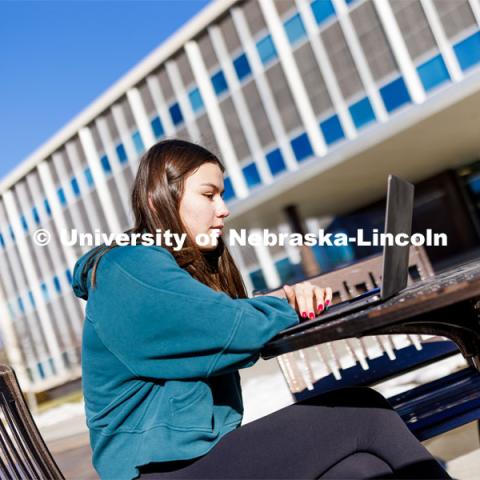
[319, 299]
[328, 297]
[300, 298]
[290, 294]
[308, 292]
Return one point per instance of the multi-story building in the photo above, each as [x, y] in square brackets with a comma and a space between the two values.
[306, 102]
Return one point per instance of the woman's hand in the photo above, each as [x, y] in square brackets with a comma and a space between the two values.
[307, 299]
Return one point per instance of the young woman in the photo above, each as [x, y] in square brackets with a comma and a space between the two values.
[166, 331]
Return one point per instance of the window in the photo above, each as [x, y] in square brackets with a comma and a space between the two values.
[433, 72]
[56, 283]
[44, 289]
[121, 153]
[68, 274]
[242, 67]
[294, 29]
[32, 300]
[332, 130]
[75, 187]
[47, 207]
[266, 49]
[275, 161]
[36, 217]
[195, 100]
[302, 148]
[176, 114]
[322, 9]
[2, 241]
[258, 280]
[105, 164]
[10, 231]
[41, 372]
[251, 175]
[362, 112]
[61, 196]
[288, 271]
[219, 82]
[24, 223]
[88, 176]
[228, 194]
[157, 127]
[394, 94]
[138, 142]
[468, 51]
[20, 305]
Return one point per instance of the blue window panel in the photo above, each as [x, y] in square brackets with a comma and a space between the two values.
[195, 100]
[242, 67]
[294, 29]
[68, 274]
[228, 194]
[106, 164]
[275, 161]
[258, 280]
[88, 176]
[266, 49]
[138, 142]
[302, 148]
[350, 1]
[362, 112]
[61, 196]
[56, 283]
[32, 300]
[285, 270]
[75, 187]
[332, 130]
[52, 366]
[394, 94]
[44, 289]
[251, 175]
[468, 51]
[433, 72]
[2, 241]
[20, 305]
[121, 153]
[40, 369]
[35, 215]
[322, 9]
[10, 231]
[219, 82]
[176, 114]
[24, 223]
[46, 204]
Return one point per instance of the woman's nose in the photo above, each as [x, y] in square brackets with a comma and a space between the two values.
[223, 210]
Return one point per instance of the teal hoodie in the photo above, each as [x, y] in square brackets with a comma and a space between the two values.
[160, 357]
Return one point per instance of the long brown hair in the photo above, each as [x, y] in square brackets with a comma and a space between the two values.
[161, 176]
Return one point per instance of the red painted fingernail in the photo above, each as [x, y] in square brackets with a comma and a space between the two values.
[311, 314]
[327, 303]
[304, 314]
[320, 307]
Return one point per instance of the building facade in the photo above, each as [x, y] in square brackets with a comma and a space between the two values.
[293, 95]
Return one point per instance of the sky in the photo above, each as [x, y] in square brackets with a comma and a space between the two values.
[56, 57]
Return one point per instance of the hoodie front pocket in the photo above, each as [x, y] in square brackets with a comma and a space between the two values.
[193, 409]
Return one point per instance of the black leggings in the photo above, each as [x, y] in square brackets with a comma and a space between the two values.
[349, 433]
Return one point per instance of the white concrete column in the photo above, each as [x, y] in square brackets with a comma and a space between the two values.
[160, 105]
[325, 66]
[141, 117]
[444, 45]
[293, 77]
[220, 131]
[399, 49]
[270, 273]
[264, 91]
[117, 170]
[34, 284]
[181, 96]
[240, 104]
[360, 60]
[100, 180]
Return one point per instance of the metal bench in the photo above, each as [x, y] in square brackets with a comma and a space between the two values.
[23, 453]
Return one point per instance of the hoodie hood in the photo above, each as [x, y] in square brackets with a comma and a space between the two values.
[82, 272]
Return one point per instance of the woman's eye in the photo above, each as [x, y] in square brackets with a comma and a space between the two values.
[208, 195]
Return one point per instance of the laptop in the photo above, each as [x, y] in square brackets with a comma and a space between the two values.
[398, 219]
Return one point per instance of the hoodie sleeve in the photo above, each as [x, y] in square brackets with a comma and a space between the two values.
[162, 323]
